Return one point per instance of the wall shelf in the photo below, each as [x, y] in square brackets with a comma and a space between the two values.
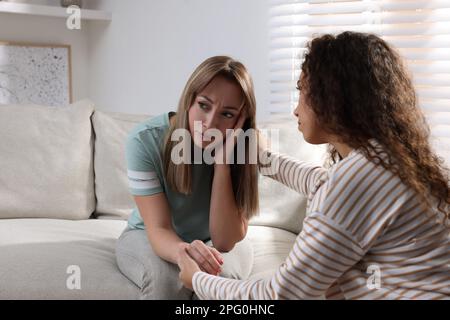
[51, 11]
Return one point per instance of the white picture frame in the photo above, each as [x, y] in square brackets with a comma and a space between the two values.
[35, 74]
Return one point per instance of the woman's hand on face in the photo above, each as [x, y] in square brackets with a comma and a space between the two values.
[188, 267]
[263, 142]
[225, 150]
[265, 160]
[241, 120]
[207, 258]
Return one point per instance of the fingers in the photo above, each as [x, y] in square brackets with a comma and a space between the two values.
[188, 267]
[206, 260]
[241, 120]
[203, 262]
[185, 258]
[185, 262]
[216, 254]
[182, 260]
[181, 250]
[232, 135]
[263, 143]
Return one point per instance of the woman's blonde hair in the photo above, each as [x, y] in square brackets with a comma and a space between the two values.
[244, 176]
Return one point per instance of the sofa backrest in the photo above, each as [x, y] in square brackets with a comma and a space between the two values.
[114, 200]
[46, 166]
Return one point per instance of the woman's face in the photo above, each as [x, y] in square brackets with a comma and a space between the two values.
[307, 123]
[217, 106]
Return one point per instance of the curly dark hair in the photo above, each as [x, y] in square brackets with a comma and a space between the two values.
[359, 89]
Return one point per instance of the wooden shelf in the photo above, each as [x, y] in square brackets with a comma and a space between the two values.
[51, 11]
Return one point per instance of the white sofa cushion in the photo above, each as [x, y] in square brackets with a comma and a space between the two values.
[271, 246]
[46, 161]
[114, 200]
[40, 257]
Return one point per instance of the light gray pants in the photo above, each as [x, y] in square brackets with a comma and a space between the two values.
[159, 279]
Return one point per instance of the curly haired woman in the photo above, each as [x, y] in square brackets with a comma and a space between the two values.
[377, 223]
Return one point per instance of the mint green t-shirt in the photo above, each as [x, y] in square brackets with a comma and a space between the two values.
[144, 154]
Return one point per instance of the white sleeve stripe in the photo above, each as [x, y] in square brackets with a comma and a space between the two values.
[142, 175]
[144, 184]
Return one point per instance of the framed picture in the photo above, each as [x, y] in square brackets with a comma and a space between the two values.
[35, 74]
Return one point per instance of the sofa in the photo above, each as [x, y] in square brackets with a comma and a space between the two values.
[64, 201]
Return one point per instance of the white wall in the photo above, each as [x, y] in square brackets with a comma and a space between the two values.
[139, 63]
[25, 28]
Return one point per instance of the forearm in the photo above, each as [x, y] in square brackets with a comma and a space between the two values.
[298, 175]
[313, 265]
[166, 243]
[227, 226]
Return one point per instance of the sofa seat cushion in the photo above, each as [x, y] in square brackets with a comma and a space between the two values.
[37, 254]
[271, 246]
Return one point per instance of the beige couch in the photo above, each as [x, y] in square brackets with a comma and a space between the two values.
[64, 201]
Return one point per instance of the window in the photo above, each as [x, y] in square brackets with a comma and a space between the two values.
[418, 29]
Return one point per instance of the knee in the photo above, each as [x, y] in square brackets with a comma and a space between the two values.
[162, 283]
[132, 268]
[156, 278]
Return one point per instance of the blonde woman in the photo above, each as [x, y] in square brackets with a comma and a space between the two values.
[199, 208]
[377, 224]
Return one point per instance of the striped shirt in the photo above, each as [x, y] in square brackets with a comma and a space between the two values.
[366, 236]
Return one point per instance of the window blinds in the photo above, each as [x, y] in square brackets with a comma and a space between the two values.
[418, 29]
